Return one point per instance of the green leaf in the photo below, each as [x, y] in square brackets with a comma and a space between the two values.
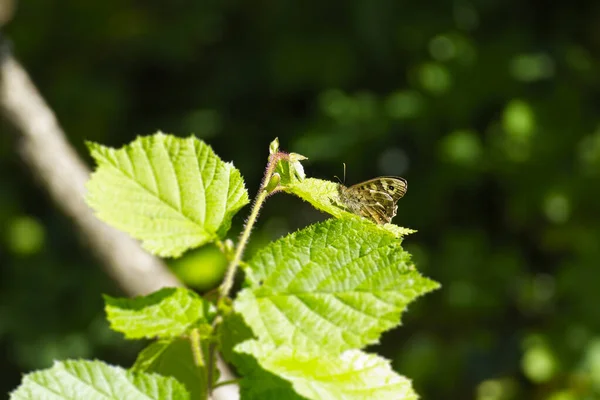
[335, 285]
[93, 380]
[351, 375]
[256, 383]
[289, 169]
[174, 358]
[263, 385]
[324, 196]
[167, 313]
[274, 146]
[171, 193]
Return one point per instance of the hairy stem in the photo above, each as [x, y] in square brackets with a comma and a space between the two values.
[196, 348]
[239, 250]
[241, 246]
[236, 260]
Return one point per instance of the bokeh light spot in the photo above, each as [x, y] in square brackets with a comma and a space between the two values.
[564, 395]
[435, 78]
[25, 235]
[592, 361]
[518, 120]
[465, 16]
[348, 109]
[462, 147]
[334, 103]
[442, 48]
[539, 362]
[404, 104]
[589, 152]
[532, 67]
[544, 287]
[496, 389]
[536, 292]
[557, 208]
[393, 161]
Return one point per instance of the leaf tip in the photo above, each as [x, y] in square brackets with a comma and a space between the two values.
[274, 146]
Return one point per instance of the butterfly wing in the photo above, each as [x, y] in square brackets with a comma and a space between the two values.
[381, 210]
[393, 185]
[376, 198]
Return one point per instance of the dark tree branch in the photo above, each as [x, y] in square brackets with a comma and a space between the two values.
[46, 153]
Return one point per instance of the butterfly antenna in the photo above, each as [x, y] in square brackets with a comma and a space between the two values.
[338, 178]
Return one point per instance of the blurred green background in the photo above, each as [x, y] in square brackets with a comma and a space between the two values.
[489, 108]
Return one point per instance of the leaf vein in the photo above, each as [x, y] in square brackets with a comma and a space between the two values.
[322, 317]
[179, 192]
[361, 312]
[297, 327]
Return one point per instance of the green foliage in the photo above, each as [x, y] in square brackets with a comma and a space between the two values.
[174, 358]
[334, 286]
[172, 194]
[503, 162]
[351, 375]
[312, 298]
[167, 313]
[257, 382]
[93, 380]
[324, 196]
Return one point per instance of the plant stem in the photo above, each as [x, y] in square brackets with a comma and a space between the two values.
[196, 345]
[239, 251]
[229, 382]
[234, 263]
[241, 246]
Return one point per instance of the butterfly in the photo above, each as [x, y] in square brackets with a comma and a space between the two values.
[374, 199]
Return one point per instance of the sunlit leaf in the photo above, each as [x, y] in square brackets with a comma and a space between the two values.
[93, 380]
[171, 193]
[352, 375]
[335, 285]
[256, 383]
[170, 312]
[174, 358]
[324, 196]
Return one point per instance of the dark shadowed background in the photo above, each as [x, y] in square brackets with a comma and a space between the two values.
[490, 109]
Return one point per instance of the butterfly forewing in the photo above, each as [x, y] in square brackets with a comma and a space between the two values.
[374, 199]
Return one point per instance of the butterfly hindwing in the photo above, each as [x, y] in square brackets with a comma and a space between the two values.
[374, 199]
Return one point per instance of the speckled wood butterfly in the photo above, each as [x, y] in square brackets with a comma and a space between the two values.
[374, 199]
